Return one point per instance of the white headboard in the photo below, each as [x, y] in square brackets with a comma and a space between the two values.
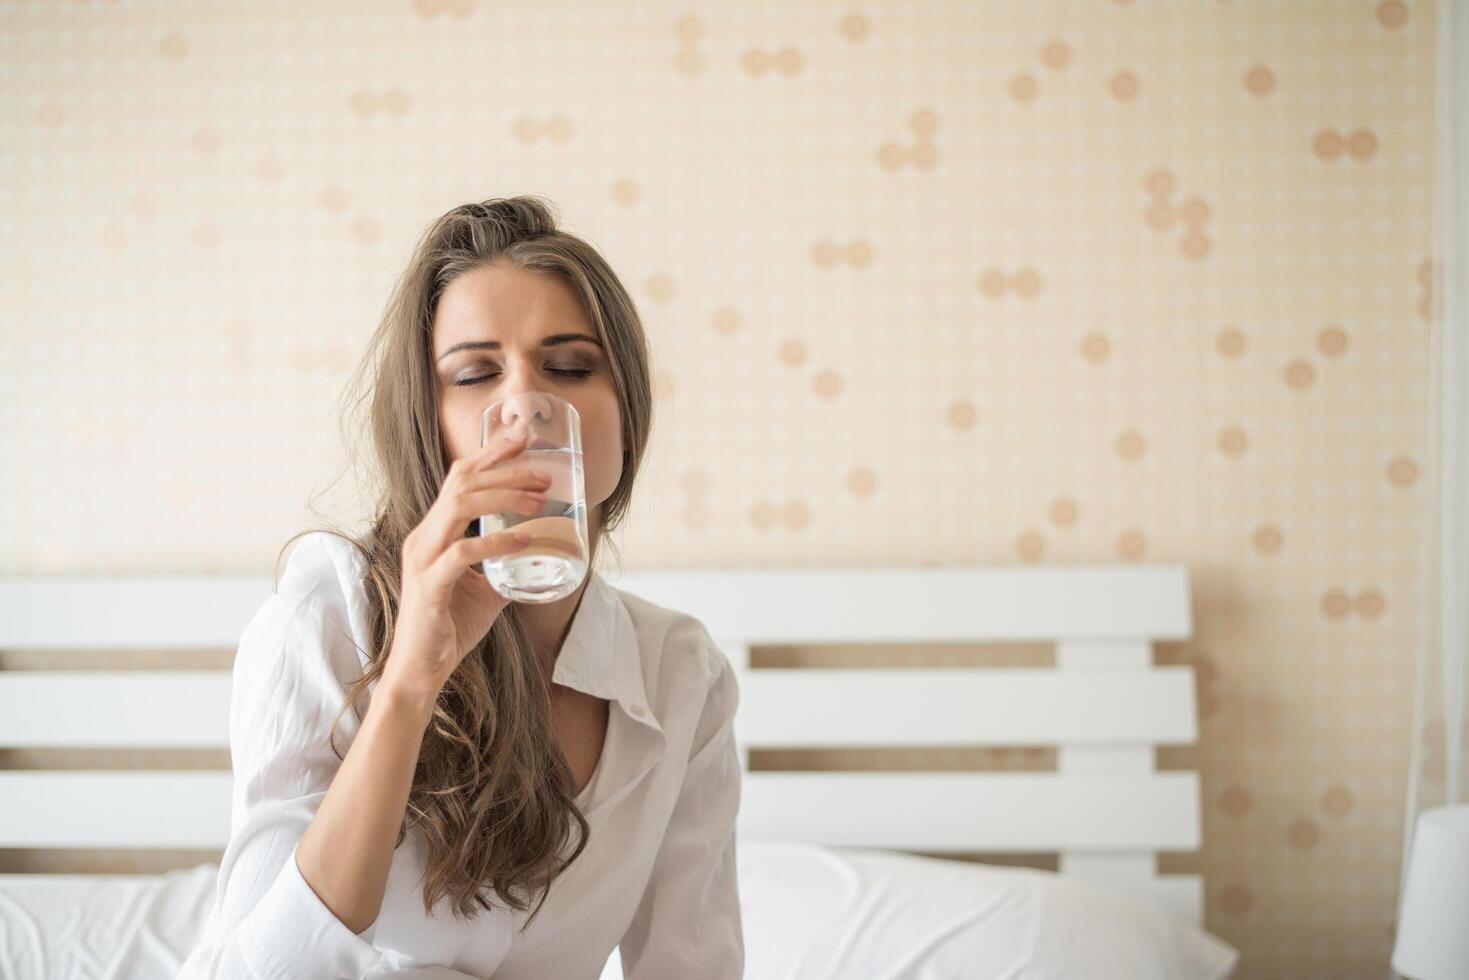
[1104, 706]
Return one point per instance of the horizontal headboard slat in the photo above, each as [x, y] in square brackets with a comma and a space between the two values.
[926, 605]
[954, 811]
[929, 707]
[942, 706]
[930, 811]
[115, 709]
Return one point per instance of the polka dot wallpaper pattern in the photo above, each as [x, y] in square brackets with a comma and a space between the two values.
[926, 283]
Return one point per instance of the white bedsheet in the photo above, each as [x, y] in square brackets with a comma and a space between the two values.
[810, 913]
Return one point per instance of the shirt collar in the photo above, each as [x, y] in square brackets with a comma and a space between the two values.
[601, 656]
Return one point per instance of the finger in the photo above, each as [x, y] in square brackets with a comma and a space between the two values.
[497, 451]
[471, 505]
[443, 573]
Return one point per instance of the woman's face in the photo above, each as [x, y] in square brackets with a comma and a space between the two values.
[526, 332]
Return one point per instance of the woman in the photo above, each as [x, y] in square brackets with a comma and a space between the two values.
[529, 785]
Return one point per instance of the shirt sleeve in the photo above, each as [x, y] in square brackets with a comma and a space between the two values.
[687, 923]
[294, 662]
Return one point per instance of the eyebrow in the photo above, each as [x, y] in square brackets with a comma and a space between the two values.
[551, 341]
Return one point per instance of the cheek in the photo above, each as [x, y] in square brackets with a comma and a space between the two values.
[459, 428]
[602, 453]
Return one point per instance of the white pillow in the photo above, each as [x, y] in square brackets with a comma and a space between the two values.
[821, 913]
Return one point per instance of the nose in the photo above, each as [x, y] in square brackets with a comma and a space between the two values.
[525, 413]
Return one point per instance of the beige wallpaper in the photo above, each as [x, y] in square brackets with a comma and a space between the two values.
[926, 283]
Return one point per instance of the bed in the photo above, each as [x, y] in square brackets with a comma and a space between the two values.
[864, 869]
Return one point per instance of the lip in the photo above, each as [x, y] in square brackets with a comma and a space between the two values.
[540, 444]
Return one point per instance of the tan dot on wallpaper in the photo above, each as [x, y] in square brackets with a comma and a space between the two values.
[1030, 545]
[1335, 603]
[1361, 143]
[924, 123]
[688, 28]
[395, 102]
[1424, 272]
[660, 286]
[1332, 340]
[1230, 342]
[206, 235]
[1063, 511]
[762, 514]
[796, 514]
[332, 199]
[859, 253]
[1095, 347]
[1159, 216]
[1236, 800]
[559, 129]
[890, 156]
[664, 384]
[1402, 471]
[1055, 55]
[1023, 87]
[862, 481]
[1303, 833]
[269, 169]
[726, 320]
[625, 191]
[1259, 80]
[363, 102]
[1267, 539]
[205, 139]
[525, 129]
[1392, 14]
[1131, 543]
[50, 113]
[1130, 444]
[827, 383]
[960, 414]
[1160, 184]
[697, 517]
[173, 47]
[1327, 144]
[1193, 212]
[689, 61]
[696, 480]
[1236, 899]
[754, 62]
[1370, 603]
[365, 229]
[1233, 441]
[826, 253]
[993, 283]
[855, 27]
[793, 351]
[1123, 85]
[1299, 374]
[924, 155]
[789, 61]
[1195, 245]
[1027, 283]
[1337, 800]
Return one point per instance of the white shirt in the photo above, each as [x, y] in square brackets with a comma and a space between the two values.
[657, 875]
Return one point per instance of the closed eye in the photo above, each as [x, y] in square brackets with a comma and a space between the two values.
[565, 372]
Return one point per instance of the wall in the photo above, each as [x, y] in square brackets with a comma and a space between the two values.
[926, 283]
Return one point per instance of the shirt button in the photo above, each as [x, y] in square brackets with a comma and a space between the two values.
[638, 710]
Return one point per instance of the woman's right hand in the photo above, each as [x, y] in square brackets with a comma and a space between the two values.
[447, 604]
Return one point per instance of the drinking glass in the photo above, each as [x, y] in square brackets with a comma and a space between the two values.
[554, 562]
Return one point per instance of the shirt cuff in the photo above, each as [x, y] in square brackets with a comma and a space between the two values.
[293, 930]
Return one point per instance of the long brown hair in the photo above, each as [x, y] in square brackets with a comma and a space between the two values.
[492, 793]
